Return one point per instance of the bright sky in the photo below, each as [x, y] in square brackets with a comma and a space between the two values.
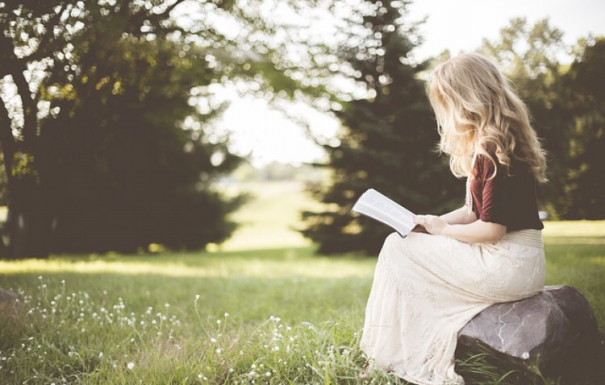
[457, 25]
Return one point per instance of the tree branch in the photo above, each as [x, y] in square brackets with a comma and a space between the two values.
[30, 108]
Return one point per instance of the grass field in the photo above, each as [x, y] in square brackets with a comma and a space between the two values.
[278, 315]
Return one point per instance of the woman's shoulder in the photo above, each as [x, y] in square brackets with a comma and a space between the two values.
[485, 164]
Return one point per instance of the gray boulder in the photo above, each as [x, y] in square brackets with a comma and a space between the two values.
[9, 303]
[555, 331]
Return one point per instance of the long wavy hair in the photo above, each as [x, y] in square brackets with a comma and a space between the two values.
[478, 112]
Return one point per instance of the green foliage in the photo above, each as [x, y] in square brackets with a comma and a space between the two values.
[584, 192]
[118, 152]
[388, 139]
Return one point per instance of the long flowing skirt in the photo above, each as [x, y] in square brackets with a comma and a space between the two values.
[427, 287]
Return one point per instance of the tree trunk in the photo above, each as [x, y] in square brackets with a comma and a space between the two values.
[28, 238]
[28, 223]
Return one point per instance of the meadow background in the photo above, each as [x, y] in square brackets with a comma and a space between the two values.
[261, 309]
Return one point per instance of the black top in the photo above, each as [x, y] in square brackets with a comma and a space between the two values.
[509, 200]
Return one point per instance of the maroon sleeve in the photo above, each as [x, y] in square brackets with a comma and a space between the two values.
[494, 195]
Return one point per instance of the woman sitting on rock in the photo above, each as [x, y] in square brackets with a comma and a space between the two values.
[427, 286]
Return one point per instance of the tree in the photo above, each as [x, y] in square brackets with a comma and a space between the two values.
[388, 138]
[585, 85]
[81, 81]
[117, 164]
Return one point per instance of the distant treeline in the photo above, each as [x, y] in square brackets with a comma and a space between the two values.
[278, 171]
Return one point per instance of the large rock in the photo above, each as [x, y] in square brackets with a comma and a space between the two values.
[555, 330]
[9, 303]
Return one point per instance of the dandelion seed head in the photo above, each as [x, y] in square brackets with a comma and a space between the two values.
[130, 365]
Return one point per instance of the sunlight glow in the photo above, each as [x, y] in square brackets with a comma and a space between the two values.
[246, 267]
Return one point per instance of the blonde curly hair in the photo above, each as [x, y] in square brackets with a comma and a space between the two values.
[477, 111]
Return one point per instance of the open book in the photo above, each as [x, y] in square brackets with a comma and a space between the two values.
[379, 207]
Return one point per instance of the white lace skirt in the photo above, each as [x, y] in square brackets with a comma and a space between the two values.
[427, 287]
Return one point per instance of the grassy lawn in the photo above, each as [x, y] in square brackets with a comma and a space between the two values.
[278, 315]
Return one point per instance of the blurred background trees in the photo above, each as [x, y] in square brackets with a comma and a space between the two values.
[107, 120]
[105, 146]
[388, 137]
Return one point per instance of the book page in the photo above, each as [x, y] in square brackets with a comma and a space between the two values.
[381, 208]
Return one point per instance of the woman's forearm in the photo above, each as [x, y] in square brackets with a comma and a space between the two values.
[459, 216]
[475, 232]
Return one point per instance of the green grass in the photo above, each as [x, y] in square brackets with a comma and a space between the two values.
[292, 317]
[278, 315]
[575, 253]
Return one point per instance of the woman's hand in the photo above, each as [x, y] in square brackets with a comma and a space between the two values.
[475, 232]
[432, 223]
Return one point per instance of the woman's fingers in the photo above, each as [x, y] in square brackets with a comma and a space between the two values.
[432, 223]
[422, 219]
[419, 219]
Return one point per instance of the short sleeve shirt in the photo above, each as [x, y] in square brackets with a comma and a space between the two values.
[509, 200]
